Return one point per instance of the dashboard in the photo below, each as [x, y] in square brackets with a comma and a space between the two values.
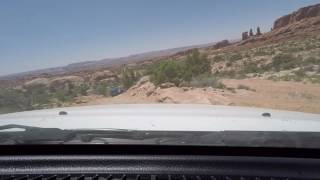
[145, 162]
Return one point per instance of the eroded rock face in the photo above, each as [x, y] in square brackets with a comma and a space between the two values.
[300, 14]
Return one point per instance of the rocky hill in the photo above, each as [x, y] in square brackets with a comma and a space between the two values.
[299, 15]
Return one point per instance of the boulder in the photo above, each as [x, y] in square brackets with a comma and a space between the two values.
[166, 85]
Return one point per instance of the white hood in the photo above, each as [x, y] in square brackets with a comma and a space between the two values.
[166, 117]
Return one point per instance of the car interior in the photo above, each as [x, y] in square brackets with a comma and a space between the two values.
[152, 162]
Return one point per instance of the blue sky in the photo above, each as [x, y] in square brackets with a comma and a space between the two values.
[38, 34]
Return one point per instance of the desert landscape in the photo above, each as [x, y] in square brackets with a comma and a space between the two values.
[279, 69]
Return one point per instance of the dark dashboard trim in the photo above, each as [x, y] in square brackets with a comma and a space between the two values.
[156, 150]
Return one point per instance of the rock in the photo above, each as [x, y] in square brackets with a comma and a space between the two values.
[36, 82]
[300, 14]
[245, 35]
[167, 85]
[102, 75]
[258, 33]
[65, 81]
[142, 88]
[109, 80]
[142, 80]
[221, 44]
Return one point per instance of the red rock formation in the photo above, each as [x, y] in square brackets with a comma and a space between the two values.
[302, 13]
[221, 44]
[245, 35]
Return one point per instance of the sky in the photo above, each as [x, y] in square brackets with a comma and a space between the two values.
[36, 34]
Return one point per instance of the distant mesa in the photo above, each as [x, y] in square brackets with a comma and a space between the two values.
[300, 14]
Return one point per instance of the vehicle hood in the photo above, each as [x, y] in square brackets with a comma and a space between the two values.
[167, 117]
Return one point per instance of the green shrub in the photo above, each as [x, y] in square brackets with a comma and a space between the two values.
[176, 72]
[251, 67]
[285, 62]
[63, 95]
[233, 90]
[195, 65]
[218, 58]
[229, 64]
[311, 60]
[315, 79]
[166, 71]
[261, 52]
[300, 73]
[38, 94]
[227, 74]
[12, 100]
[128, 77]
[235, 57]
[102, 89]
[81, 90]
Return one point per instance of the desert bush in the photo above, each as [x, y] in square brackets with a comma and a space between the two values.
[293, 49]
[102, 88]
[206, 80]
[233, 90]
[176, 72]
[300, 73]
[315, 79]
[264, 51]
[13, 100]
[311, 60]
[167, 71]
[251, 67]
[38, 94]
[195, 65]
[235, 57]
[241, 86]
[81, 90]
[285, 62]
[229, 64]
[128, 77]
[218, 58]
[226, 74]
[63, 95]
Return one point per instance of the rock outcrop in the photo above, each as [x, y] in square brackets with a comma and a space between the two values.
[36, 82]
[103, 75]
[221, 44]
[245, 35]
[65, 82]
[300, 14]
[146, 91]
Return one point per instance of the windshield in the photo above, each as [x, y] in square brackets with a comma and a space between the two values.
[174, 68]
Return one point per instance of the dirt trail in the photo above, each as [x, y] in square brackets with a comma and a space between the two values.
[295, 96]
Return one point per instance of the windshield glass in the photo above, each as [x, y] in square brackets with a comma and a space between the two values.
[169, 72]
